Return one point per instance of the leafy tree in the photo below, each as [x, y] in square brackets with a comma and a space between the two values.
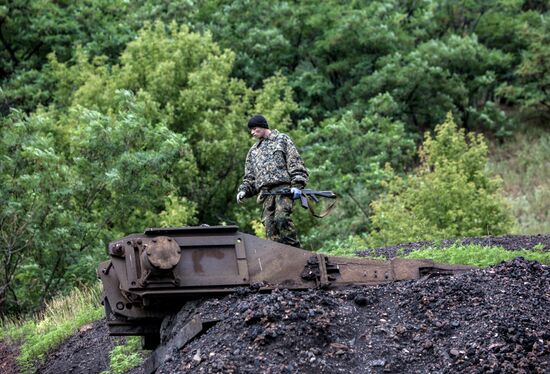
[31, 30]
[256, 31]
[456, 75]
[501, 27]
[158, 139]
[323, 48]
[348, 155]
[183, 79]
[451, 194]
[32, 215]
[532, 89]
[463, 17]
[73, 181]
[344, 42]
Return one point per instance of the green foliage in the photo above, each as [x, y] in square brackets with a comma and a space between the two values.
[344, 247]
[72, 180]
[177, 210]
[329, 52]
[181, 79]
[126, 356]
[256, 30]
[476, 255]
[158, 140]
[530, 91]
[61, 317]
[451, 194]
[33, 211]
[502, 24]
[349, 155]
[324, 48]
[456, 74]
[258, 228]
[30, 30]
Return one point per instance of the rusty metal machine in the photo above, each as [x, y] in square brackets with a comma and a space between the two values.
[154, 274]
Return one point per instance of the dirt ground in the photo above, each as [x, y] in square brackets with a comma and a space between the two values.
[493, 320]
[8, 355]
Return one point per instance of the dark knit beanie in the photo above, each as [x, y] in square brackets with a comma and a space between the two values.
[258, 121]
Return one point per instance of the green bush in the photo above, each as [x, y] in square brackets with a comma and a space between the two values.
[343, 247]
[125, 356]
[450, 195]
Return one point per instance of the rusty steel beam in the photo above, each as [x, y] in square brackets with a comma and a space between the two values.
[153, 274]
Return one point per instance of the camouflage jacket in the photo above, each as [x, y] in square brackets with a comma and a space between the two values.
[273, 161]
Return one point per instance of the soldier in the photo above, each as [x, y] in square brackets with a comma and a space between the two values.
[272, 164]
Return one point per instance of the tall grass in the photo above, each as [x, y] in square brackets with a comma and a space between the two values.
[524, 165]
[59, 320]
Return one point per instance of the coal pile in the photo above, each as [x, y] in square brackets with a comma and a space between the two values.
[84, 352]
[509, 242]
[494, 320]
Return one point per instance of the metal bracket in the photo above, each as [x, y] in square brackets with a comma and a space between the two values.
[320, 269]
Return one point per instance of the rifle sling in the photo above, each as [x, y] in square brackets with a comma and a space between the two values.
[325, 212]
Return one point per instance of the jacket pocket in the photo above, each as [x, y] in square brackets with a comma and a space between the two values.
[279, 158]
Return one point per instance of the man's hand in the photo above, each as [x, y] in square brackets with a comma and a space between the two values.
[240, 197]
[296, 193]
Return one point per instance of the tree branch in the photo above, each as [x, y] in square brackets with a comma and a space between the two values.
[359, 206]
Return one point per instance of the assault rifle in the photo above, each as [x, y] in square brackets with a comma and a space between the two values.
[308, 194]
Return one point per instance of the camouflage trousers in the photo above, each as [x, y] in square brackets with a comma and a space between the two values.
[277, 220]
